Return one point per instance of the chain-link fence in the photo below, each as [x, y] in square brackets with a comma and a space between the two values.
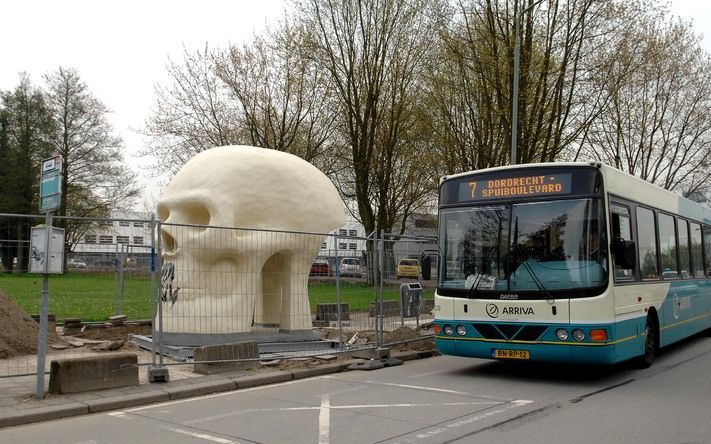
[104, 279]
[293, 293]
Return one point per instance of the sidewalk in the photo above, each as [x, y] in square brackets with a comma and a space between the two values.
[19, 406]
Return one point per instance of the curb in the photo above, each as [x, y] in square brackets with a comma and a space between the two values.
[44, 414]
[123, 401]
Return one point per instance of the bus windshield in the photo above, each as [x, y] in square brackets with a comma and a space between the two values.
[527, 250]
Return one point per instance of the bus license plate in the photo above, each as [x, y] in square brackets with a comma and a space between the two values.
[512, 354]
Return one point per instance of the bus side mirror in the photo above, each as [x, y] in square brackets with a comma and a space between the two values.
[624, 253]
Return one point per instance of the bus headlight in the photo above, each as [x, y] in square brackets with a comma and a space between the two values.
[562, 334]
[448, 330]
[461, 330]
[578, 334]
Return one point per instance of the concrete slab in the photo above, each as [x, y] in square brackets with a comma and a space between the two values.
[74, 375]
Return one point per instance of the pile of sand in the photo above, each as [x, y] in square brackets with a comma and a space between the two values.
[18, 331]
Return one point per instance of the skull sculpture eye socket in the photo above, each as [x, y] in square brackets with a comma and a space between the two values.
[181, 213]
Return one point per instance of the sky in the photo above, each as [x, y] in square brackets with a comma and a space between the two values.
[121, 49]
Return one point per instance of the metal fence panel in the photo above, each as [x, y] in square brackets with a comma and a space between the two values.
[224, 284]
[106, 274]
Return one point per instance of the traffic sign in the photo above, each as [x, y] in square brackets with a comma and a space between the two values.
[51, 184]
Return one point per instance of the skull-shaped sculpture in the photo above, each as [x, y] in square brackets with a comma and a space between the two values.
[234, 219]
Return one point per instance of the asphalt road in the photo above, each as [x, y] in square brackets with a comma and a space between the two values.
[442, 399]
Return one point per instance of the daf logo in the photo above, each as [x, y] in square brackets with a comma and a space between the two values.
[492, 310]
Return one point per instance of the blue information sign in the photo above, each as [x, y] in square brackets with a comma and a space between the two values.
[51, 184]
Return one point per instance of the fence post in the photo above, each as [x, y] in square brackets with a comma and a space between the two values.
[338, 295]
[156, 373]
[44, 308]
[116, 282]
[380, 311]
[124, 250]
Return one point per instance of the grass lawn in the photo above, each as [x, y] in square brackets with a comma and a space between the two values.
[90, 296]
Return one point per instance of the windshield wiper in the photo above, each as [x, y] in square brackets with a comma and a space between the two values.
[480, 276]
[475, 285]
[533, 274]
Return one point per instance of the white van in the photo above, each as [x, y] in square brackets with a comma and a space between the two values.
[350, 266]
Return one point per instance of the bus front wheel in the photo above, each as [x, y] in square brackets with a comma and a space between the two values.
[651, 343]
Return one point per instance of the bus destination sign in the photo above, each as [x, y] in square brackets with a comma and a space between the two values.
[515, 187]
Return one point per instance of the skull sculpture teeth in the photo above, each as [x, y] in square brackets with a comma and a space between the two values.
[234, 219]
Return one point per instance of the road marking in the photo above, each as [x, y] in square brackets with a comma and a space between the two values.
[210, 396]
[324, 420]
[419, 387]
[340, 407]
[121, 413]
[326, 407]
[204, 436]
[463, 422]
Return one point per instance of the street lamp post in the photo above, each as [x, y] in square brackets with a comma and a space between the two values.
[517, 62]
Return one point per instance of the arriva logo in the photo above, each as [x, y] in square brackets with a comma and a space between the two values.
[492, 310]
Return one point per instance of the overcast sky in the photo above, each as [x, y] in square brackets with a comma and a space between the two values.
[121, 48]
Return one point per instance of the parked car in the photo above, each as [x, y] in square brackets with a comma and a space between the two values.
[76, 263]
[350, 266]
[319, 268]
[409, 268]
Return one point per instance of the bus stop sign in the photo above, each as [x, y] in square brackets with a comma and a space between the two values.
[51, 184]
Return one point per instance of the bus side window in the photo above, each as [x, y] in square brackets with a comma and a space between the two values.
[697, 252]
[621, 235]
[648, 264]
[668, 246]
[684, 250]
[707, 248]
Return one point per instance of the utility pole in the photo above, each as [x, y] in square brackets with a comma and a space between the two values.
[518, 17]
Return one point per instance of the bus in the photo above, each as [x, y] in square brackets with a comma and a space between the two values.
[568, 262]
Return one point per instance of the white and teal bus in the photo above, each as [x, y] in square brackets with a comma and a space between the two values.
[568, 262]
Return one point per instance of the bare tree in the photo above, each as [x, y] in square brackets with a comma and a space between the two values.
[282, 97]
[190, 115]
[95, 179]
[656, 124]
[26, 130]
[265, 93]
[374, 51]
[472, 86]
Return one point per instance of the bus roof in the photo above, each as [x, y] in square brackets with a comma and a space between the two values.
[519, 166]
[621, 184]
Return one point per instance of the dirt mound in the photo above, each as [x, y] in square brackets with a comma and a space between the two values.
[18, 331]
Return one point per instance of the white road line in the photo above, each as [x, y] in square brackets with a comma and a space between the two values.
[434, 372]
[324, 420]
[427, 435]
[210, 396]
[408, 405]
[204, 436]
[271, 386]
[418, 387]
[339, 407]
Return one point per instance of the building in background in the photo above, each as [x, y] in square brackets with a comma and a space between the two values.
[124, 238]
